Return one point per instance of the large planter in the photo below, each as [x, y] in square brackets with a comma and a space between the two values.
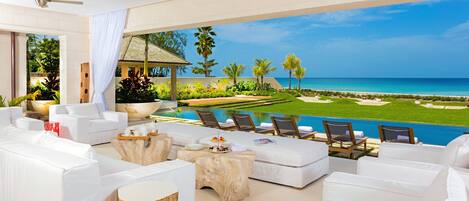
[138, 111]
[42, 106]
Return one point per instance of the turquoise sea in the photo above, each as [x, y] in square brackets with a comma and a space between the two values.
[423, 86]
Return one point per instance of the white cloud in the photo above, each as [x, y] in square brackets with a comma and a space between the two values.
[254, 32]
[349, 18]
[458, 31]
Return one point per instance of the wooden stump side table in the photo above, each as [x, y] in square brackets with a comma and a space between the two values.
[226, 173]
[148, 191]
[143, 150]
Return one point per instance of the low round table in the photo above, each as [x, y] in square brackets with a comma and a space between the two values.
[226, 173]
[148, 191]
[143, 150]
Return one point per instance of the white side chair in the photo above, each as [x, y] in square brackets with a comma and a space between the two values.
[390, 180]
[456, 153]
[88, 123]
[13, 116]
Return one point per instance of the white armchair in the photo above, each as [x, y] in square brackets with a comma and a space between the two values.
[456, 153]
[388, 180]
[88, 123]
[13, 116]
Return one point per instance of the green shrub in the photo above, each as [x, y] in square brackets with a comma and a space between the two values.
[135, 89]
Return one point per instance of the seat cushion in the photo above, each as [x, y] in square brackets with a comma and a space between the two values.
[284, 151]
[457, 152]
[101, 125]
[90, 111]
[183, 134]
[66, 146]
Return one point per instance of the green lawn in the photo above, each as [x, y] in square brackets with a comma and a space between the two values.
[397, 110]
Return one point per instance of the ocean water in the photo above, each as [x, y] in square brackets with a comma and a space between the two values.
[426, 133]
[422, 86]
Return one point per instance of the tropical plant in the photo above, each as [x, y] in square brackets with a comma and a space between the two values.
[135, 89]
[299, 74]
[262, 68]
[47, 89]
[171, 41]
[2, 101]
[205, 43]
[48, 55]
[291, 63]
[256, 71]
[233, 71]
[16, 101]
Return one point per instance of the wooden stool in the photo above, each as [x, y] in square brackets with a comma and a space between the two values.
[148, 191]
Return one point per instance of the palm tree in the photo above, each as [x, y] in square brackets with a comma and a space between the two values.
[256, 71]
[299, 74]
[290, 63]
[204, 45]
[233, 71]
[264, 68]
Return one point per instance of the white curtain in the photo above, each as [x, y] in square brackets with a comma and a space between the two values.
[107, 31]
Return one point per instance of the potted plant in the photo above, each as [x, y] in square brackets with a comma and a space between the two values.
[47, 94]
[135, 96]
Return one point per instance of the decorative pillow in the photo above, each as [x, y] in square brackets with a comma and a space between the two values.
[456, 187]
[66, 146]
[84, 110]
[457, 152]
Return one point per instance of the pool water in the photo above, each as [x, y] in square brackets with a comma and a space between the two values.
[426, 133]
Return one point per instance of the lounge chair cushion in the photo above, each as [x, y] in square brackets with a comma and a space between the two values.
[182, 134]
[456, 152]
[84, 110]
[285, 151]
[101, 125]
[456, 187]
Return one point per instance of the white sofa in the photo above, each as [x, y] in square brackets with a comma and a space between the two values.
[37, 166]
[390, 180]
[289, 162]
[14, 116]
[456, 153]
[88, 123]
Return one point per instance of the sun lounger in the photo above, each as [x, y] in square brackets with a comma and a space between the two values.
[288, 127]
[208, 120]
[244, 122]
[397, 134]
[343, 134]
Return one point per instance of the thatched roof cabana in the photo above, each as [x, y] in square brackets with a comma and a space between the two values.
[132, 55]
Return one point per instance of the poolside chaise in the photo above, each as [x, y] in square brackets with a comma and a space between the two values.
[287, 161]
[287, 127]
[342, 133]
[244, 122]
[397, 134]
[209, 120]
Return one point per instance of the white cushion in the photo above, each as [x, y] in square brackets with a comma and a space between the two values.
[84, 110]
[21, 135]
[456, 187]
[66, 146]
[182, 134]
[457, 152]
[5, 119]
[437, 190]
[285, 151]
[100, 125]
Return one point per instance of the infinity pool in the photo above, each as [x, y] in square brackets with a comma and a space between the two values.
[427, 133]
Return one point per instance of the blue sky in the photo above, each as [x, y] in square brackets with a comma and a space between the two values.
[429, 39]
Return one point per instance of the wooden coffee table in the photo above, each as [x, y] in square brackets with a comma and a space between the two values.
[226, 173]
[143, 150]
